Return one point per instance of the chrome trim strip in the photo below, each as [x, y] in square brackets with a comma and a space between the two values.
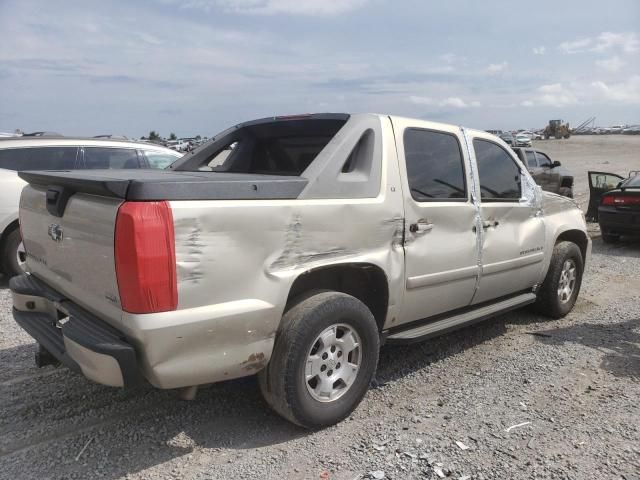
[442, 277]
[512, 264]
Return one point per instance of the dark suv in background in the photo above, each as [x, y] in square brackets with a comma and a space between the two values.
[550, 175]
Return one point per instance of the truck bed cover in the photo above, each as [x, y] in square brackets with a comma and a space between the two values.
[145, 185]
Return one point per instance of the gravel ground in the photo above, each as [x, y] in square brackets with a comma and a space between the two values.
[518, 396]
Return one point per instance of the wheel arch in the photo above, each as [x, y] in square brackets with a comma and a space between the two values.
[365, 281]
[576, 236]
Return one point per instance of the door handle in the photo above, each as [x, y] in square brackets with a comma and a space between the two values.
[421, 226]
[491, 223]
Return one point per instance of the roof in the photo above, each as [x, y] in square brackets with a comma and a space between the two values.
[22, 142]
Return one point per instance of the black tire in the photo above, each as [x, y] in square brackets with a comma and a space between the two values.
[9, 260]
[283, 383]
[549, 302]
[566, 192]
[609, 238]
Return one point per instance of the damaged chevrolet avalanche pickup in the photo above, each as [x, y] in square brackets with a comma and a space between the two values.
[291, 248]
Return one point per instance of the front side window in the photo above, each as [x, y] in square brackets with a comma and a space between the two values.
[604, 181]
[103, 157]
[499, 174]
[435, 168]
[543, 160]
[38, 158]
[531, 159]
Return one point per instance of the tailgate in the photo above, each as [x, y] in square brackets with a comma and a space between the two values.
[74, 253]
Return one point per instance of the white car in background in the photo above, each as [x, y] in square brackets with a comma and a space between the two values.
[60, 153]
[522, 140]
[178, 145]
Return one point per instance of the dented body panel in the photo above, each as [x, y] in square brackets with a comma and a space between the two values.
[237, 260]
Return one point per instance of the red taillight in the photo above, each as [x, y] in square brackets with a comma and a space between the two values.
[145, 256]
[621, 200]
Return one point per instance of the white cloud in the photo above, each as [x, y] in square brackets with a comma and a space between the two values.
[272, 7]
[575, 46]
[626, 42]
[497, 67]
[626, 92]
[612, 64]
[539, 50]
[448, 102]
[552, 95]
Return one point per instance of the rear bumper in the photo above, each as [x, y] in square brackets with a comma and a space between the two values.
[168, 349]
[618, 222]
[78, 340]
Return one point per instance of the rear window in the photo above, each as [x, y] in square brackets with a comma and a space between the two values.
[434, 165]
[38, 158]
[281, 147]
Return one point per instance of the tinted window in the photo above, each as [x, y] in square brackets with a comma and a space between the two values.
[160, 159]
[543, 160]
[40, 158]
[434, 165]
[286, 156]
[633, 182]
[531, 158]
[499, 174]
[99, 157]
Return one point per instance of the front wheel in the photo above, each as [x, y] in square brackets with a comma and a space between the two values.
[566, 192]
[324, 358]
[559, 291]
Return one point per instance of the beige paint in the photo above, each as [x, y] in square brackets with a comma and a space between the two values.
[237, 260]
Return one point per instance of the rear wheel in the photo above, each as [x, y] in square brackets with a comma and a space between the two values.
[609, 238]
[13, 254]
[324, 358]
[559, 291]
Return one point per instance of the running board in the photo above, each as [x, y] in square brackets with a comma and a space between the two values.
[444, 325]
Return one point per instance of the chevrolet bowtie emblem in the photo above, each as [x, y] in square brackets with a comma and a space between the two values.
[55, 232]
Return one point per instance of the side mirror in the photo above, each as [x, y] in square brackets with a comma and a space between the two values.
[556, 164]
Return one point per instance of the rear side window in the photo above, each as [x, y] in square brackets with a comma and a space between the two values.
[531, 158]
[499, 174]
[99, 157]
[38, 158]
[159, 159]
[435, 168]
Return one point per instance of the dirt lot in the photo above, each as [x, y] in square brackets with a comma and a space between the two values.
[526, 397]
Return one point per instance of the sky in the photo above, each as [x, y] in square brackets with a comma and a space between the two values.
[84, 67]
